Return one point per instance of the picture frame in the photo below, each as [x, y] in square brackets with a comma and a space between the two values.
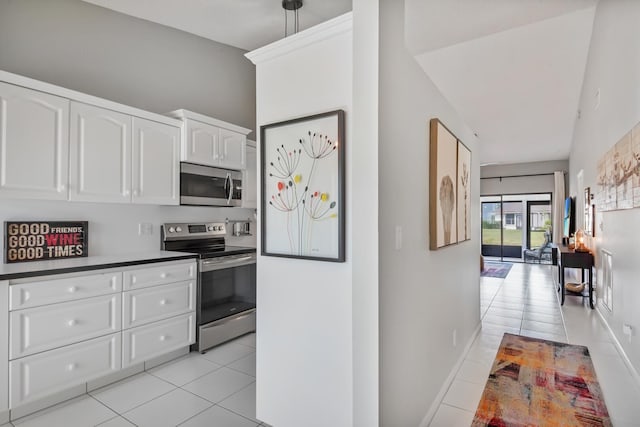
[26, 241]
[463, 191]
[303, 187]
[443, 162]
[588, 212]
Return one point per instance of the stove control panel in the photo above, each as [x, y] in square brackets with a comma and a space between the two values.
[176, 231]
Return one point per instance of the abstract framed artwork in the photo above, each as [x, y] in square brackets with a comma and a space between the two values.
[464, 190]
[443, 221]
[303, 188]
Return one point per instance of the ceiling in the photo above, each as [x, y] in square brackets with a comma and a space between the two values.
[245, 24]
[512, 70]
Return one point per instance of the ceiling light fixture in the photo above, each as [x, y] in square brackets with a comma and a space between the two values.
[293, 5]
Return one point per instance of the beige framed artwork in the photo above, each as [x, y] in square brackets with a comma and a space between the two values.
[464, 192]
[443, 151]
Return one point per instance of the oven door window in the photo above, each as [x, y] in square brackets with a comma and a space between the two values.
[227, 292]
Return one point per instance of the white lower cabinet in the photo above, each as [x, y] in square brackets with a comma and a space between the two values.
[147, 305]
[65, 330]
[147, 342]
[43, 292]
[44, 373]
[159, 275]
[38, 329]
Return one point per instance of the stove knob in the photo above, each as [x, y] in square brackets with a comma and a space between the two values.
[210, 228]
[178, 229]
[222, 228]
[171, 229]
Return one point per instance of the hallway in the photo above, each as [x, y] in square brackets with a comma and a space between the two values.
[525, 303]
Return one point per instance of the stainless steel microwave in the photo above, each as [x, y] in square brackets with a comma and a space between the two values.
[209, 186]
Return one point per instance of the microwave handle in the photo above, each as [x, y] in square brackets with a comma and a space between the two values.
[230, 189]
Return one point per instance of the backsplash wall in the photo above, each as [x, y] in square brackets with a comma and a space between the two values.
[113, 228]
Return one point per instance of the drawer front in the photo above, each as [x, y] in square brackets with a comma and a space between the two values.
[159, 302]
[156, 339]
[36, 376]
[44, 328]
[32, 294]
[159, 275]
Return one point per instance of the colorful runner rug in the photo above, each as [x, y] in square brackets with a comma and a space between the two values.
[535, 382]
[496, 269]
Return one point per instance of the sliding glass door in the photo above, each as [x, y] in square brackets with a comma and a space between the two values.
[512, 223]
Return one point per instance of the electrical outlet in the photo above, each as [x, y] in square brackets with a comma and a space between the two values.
[145, 229]
[455, 337]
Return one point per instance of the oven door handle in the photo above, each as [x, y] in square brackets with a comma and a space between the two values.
[212, 265]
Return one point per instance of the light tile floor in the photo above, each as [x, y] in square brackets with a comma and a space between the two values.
[526, 303]
[215, 389]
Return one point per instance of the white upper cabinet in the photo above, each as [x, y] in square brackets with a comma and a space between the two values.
[34, 132]
[212, 142]
[250, 179]
[100, 144]
[232, 149]
[202, 143]
[156, 162]
[58, 144]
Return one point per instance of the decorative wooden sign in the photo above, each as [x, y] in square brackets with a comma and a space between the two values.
[45, 240]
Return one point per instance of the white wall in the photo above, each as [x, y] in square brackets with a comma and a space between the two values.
[524, 185]
[424, 295]
[365, 210]
[113, 227]
[614, 69]
[107, 54]
[304, 343]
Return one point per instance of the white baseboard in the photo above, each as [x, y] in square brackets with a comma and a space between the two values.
[45, 402]
[452, 375]
[623, 354]
[4, 416]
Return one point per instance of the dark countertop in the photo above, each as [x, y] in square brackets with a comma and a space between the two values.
[72, 265]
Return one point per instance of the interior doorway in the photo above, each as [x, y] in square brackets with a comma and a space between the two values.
[512, 223]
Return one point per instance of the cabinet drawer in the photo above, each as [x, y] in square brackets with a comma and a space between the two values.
[159, 302]
[159, 275]
[45, 373]
[32, 294]
[42, 328]
[147, 342]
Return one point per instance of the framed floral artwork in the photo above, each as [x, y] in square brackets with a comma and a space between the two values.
[303, 188]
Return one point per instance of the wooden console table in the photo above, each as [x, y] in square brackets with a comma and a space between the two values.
[571, 259]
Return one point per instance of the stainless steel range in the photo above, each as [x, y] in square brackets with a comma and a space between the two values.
[226, 306]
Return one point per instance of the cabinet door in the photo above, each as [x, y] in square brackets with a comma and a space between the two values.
[100, 169]
[157, 303]
[34, 144]
[156, 162]
[201, 143]
[45, 373]
[150, 341]
[232, 149]
[250, 180]
[43, 328]
[4, 350]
